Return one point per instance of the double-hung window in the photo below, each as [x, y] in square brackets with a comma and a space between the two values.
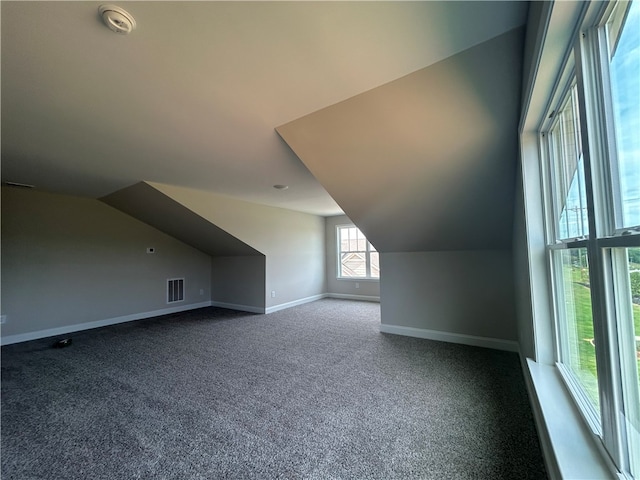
[357, 258]
[590, 147]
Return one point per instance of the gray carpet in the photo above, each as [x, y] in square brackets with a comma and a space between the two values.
[312, 392]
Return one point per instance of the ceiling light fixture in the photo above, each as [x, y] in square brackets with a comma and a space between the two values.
[117, 19]
[281, 187]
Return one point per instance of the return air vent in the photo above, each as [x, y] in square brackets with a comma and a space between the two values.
[175, 290]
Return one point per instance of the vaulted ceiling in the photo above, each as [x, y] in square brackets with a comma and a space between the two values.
[435, 152]
[387, 105]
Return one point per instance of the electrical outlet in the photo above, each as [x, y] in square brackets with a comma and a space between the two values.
[357, 285]
[273, 294]
[201, 291]
[3, 319]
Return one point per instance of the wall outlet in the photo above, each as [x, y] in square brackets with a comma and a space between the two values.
[201, 291]
[273, 294]
[3, 319]
[357, 285]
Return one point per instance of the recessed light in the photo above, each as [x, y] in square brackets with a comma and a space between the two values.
[281, 187]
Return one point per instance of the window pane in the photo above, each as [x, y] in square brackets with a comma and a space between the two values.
[354, 253]
[353, 239]
[575, 320]
[362, 242]
[569, 191]
[353, 265]
[624, 71]
[375, 264]
[627, 286]
[344, 239]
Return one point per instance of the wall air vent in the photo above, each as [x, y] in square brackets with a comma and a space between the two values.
[175, 290]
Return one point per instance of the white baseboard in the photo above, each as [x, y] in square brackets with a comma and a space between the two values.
[236, 306]
[473, 340]
[50, 332]
[347, 296]
[294, 303]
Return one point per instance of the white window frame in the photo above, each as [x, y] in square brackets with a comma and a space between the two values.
[367, 277]
[605, 263]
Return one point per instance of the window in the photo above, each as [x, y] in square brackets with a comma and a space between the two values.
[357, 258]
[590, 150]
[567, 164]
[568, 225]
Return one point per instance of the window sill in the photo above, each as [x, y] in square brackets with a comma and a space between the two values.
[567, 444]
[358, 279]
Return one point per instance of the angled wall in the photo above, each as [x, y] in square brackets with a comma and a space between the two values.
[426, 162]
[425, 166]
[237, 270]
[71, 263]
[293, 243]
[149, 205]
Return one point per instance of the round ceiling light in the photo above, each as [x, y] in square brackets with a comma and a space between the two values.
[117, 19]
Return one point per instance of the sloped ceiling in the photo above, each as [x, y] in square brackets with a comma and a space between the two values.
[192, 96]
[426, 162]
[146, 203]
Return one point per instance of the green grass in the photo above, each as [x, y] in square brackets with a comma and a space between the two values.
[585, 365]
[586, 360]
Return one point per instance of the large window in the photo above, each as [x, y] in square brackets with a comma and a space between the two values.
[357, 258]
[568, 232]
[590, 145]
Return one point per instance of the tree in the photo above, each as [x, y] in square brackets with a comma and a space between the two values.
[635, 285]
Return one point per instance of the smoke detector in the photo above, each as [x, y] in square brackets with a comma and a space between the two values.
[117, 19]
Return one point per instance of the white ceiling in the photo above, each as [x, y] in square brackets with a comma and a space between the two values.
[193, 95]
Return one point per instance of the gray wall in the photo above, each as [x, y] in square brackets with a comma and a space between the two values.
[425, 162]
[292, 242]
[366, 288]
[69, 261]
[462, 292]
[238, 281]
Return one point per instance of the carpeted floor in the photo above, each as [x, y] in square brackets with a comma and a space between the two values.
[312, 392]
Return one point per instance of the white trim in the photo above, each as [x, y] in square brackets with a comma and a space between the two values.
[294, 303]
[548, 455]
[486, 342]
[236, 306]
[548, 57]
[358, 279]
[348, 296]
[50, 332]
[567, 445]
